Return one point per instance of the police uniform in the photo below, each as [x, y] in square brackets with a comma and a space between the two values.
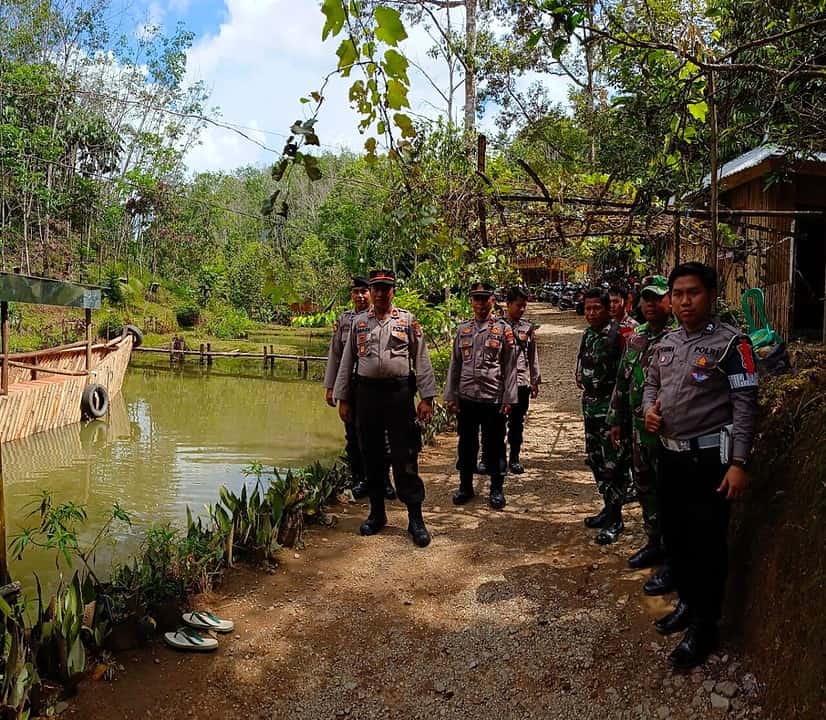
[626, 411]
[481, 378]
[527, 375]
[341, 329]
[384, 362]
[597, 364]
[706, 384]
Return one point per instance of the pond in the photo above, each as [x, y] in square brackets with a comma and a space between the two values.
[173, 437]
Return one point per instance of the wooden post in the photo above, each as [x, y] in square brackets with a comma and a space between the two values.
[714, 167]
[304, 370]
[202, 354]
[676, 240]
[171, 352]
[209, 353]
[5, 578]
[265, 357]
[272, 358]
[34, 372]
[4, 373]
[88, 320]
[481, 152]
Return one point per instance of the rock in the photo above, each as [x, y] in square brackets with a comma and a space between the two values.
[708, 685]
[733, 668]
[663, 712]
[473, 664]
[749, 684]
[61, 707]
[727, 688]
[350, 685]
[678, 681]
[718, 702]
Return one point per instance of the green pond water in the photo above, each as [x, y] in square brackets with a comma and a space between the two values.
[173, 437]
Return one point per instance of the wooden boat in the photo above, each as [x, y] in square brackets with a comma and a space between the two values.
[57, 386]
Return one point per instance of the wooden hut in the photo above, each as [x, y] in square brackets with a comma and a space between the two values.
[774, 205]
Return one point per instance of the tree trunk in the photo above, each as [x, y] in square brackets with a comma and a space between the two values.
[470, 66]
[714, 169]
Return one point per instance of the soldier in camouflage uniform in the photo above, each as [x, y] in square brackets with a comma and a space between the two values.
[596, 372]
[360, 297]
[626, 409]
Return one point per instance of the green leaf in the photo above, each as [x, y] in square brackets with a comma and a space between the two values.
[348, 54]
[534, 39]
[395, 65]
[389, 26]
[558, 47]
[396, 95]
[405, 124]
[698, 110]
[311, 167]
[334, 12]
[279, 169]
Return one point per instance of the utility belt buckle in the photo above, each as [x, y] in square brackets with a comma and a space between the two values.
[702, 442]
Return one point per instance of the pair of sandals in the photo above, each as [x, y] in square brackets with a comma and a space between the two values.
[196, 635]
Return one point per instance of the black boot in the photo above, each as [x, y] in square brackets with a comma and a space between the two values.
[514, 465]
[389, 490]
[481, 468]
[497, 493]
[377, 518]
[416, 526]
[649, 555]
[613, 526]
[359, 488]
[660, 583]
[465, 492]
[598, 520]
[695, 647]
[678, 619]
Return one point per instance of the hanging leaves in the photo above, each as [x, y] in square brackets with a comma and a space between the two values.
[335, 16]
[389, 28]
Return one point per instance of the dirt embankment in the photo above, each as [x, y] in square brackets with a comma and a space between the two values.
[777, 603]
[513, 614]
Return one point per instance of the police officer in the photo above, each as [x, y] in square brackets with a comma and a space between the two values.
[360, 297]
[481, 388]
[384, 362]
[596, 372]
[626, 409]
[701, 399]
[528, 376]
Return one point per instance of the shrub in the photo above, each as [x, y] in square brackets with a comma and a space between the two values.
[110, 325]
[228, 322]
[187, 315]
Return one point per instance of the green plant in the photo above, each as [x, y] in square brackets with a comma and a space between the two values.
[228, 322]
[110, 325]
[18, 674]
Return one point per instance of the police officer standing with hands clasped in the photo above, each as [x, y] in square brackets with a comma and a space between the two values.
[384, 362]
[701, 399]
[481, 388]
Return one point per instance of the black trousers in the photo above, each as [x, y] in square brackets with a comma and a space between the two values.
[353, 451]
[487, 417]
[385, 414]
[694, 518]
[516, 420]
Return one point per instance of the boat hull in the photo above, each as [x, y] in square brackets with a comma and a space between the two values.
[52, 401]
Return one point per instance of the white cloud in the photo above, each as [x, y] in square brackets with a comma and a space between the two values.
[263, 58]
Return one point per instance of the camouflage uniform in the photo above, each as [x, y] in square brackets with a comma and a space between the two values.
[597, 364]
[626, 410]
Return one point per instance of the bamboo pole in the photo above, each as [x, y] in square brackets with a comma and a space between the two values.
[4, 346]
[5, 578]
[88, 323]
[45, 369]
[209, 353]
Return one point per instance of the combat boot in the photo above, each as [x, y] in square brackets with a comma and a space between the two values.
[660, 583]
[465, 492]
[514, 465]
[481, 468]
[497, 493]
[389, 490]
[377, 518]
[598, 520]
[613, 527]
[678, 619]
[649, 555]
[416, 526]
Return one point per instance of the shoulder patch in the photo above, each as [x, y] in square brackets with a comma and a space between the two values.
[417, 329]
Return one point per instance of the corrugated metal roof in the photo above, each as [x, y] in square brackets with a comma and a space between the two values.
[755, 156]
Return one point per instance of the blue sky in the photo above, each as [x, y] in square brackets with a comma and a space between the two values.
[258, 57]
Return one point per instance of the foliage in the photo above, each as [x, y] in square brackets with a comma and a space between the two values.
[187, 315]
[227, 322]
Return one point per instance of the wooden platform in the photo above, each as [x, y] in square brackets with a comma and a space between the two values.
[51, 401]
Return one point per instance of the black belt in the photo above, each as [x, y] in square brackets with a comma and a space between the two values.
[391, 382]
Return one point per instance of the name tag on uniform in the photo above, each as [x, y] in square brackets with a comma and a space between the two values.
[399, 334]
[492, 342]
[523, 336]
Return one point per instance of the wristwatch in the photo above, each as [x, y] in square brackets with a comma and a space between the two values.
[738, 462]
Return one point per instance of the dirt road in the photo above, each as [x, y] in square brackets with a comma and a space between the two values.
[513, 614]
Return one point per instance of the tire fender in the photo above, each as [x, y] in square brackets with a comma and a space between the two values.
[94, 403]
[137, 335]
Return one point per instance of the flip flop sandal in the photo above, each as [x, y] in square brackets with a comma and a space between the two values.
[207, 621]
[185, 638]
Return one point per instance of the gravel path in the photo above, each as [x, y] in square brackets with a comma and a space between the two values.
[513, 614]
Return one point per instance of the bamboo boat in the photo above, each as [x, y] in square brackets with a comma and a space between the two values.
[45, 388]
[57, 386]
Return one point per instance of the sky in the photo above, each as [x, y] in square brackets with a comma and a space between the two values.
[258, 57]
